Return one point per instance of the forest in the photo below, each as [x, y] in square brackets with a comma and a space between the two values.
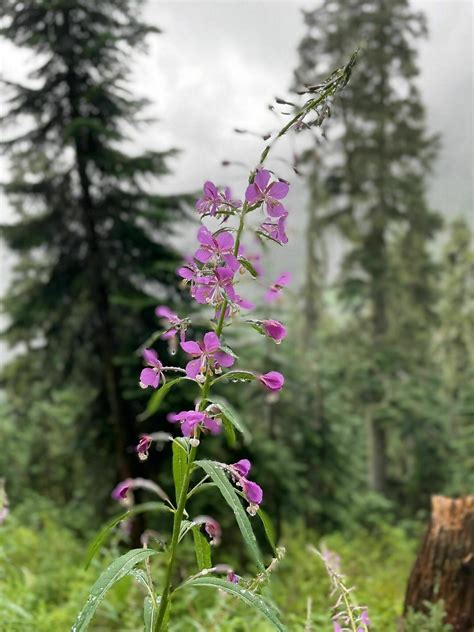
[162, 346]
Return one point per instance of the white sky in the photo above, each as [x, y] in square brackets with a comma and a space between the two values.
[219, 63]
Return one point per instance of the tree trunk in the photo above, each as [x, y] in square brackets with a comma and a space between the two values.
[128, 465]
[444, 569]
[378, 459]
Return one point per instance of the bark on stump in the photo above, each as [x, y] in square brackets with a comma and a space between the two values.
[444, 568]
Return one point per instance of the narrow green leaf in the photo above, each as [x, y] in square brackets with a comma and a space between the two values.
[229, 432]
[230, 415]
[118, 569]
[158, 396]
[104, 532]
[248, 266]
[269, 529]
[236, 376]
[185, 526]
[214, 470]
[180, 465]
[248, 597]
[202, 548]
[149, 614]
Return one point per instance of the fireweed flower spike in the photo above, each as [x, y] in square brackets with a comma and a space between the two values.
[212, 275]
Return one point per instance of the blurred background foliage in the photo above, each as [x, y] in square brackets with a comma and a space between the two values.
[377, 412]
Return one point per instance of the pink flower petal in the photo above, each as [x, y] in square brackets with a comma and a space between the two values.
[211, 342]
[231, 262]
[210, 189]
[191, 347]
[186, 273]
[205, 237]
[243, 466]
[203, 255]
[276, 209]
[262, 178]
[149, 377]
[212, 425]
[224, 359]
[253, 491]
[225, 241]
[165, 312]
[151, 357]
[193, 368]
[284, 279]
[252, 193]
[274, 329]
[273, 380]
[278, 190]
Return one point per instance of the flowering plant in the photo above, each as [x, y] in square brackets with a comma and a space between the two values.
[212, 275]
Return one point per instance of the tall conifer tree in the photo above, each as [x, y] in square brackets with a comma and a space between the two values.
[374, 178]
[89, 240]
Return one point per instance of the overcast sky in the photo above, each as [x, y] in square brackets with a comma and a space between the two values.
[218, 64]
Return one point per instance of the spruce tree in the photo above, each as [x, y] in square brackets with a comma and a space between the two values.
[89, 239]
[375, 179]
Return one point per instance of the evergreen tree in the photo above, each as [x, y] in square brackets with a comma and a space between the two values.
[455, 352]
[375, 180]
[90, 241]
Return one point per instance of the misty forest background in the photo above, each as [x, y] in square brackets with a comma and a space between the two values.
[376, 415]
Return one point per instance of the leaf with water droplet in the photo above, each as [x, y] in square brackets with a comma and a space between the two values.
[113, 573]
[247, 596]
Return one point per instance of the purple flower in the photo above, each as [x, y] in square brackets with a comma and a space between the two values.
[211, 527]
[242, 467]
[210, 201]
[364, 618]
[170, 319]
[253, 491]
[274, 329]
[151, 376]
[232, 577]
[4, 505]
[143, 447]
[216, 248]
[120, 491]
[337, 627]
[275, 289]
[276, 230]
[272, 380]
[190, 420]
[208, 356]
[261, 191]
[214, 289]
[227, 198]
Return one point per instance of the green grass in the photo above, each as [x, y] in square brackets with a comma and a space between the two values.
[43, 583]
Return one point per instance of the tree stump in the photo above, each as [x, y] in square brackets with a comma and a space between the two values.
[444, 568]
